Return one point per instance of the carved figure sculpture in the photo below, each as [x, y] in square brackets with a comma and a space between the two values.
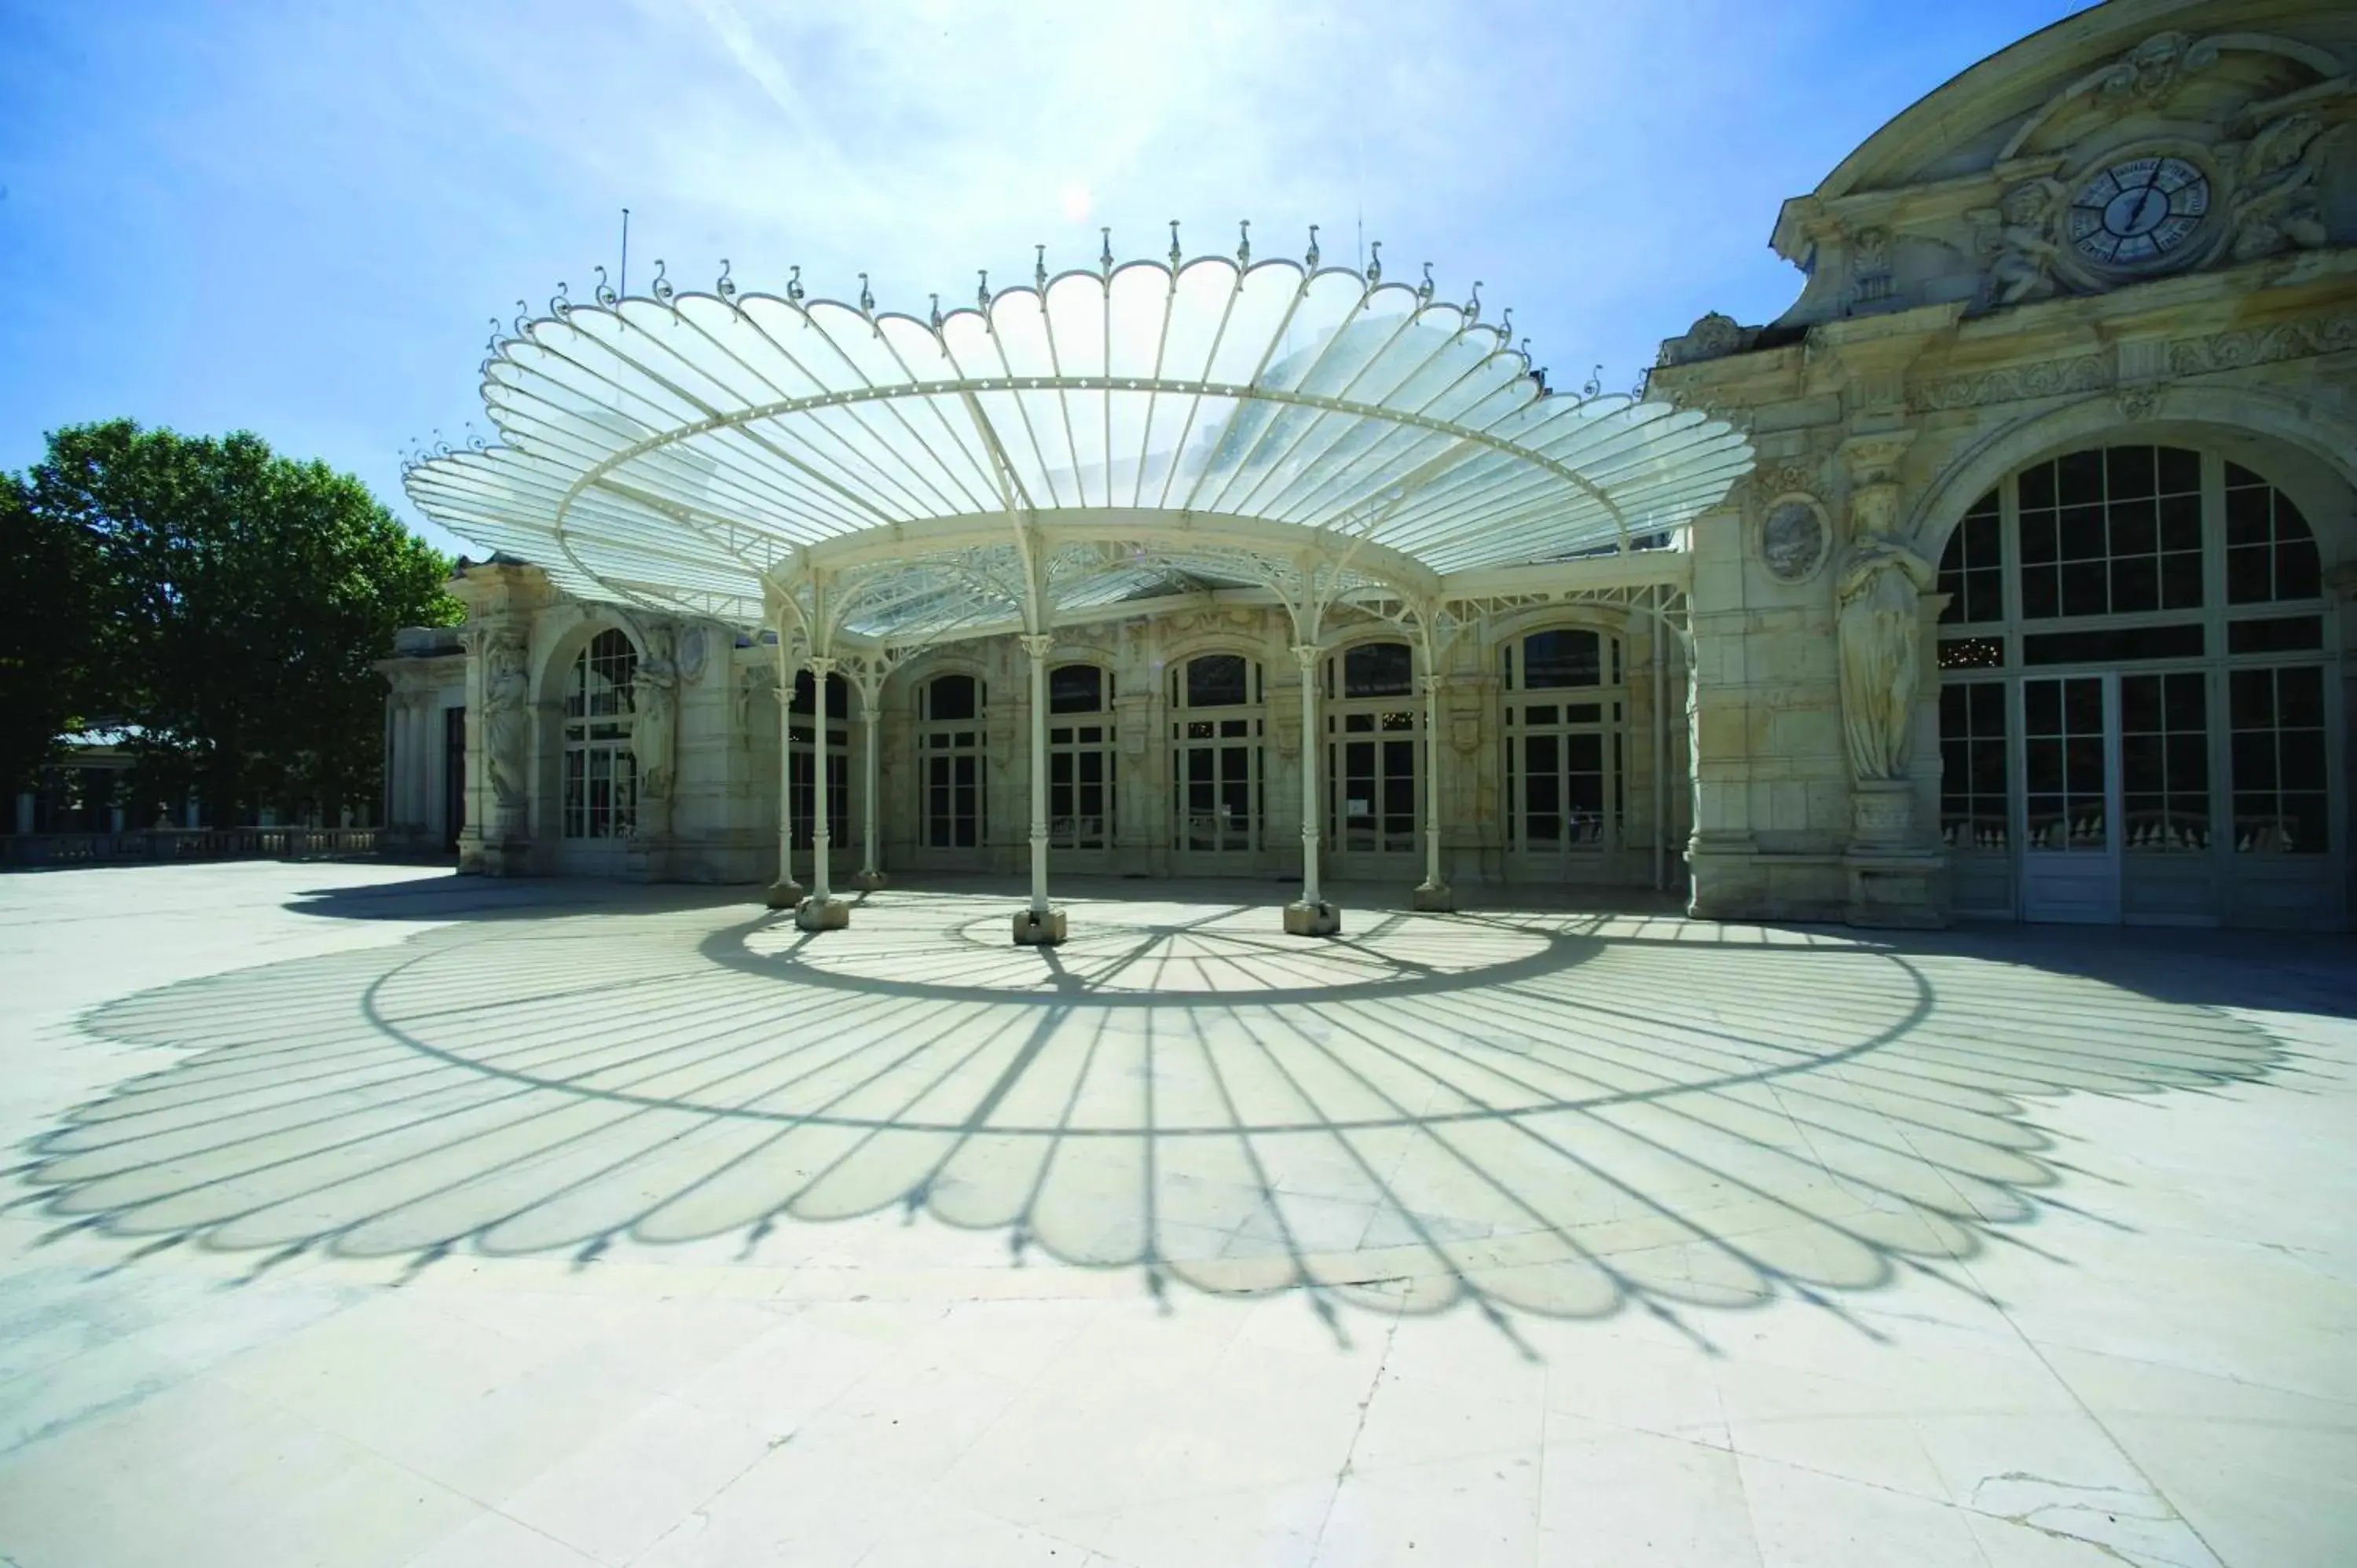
[2022, 240]
[1880, 593]
[655, 713]
[2275, 200]
[506, 725]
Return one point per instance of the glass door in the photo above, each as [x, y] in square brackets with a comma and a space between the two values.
[1215, 764]
[2071, 798]
[1218, 787]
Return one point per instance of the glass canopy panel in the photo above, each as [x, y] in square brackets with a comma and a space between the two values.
[677, 451]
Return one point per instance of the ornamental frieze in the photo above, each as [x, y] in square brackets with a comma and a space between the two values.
[2047, 378]
[2262, 345]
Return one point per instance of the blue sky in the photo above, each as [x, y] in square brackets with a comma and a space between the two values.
[299, 218]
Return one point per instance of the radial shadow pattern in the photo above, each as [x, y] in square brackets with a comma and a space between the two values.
[1547, 1113]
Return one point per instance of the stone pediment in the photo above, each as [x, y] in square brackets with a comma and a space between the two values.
[2134, 141]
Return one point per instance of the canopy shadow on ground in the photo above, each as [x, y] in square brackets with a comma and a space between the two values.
[1539, 1112]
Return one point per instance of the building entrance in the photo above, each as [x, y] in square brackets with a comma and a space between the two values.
[2132, 714]
[1216, 787]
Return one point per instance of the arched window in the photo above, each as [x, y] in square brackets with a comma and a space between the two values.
[1565, 708]
[1215, 755]
[1082, 757]
[949, 762]
[1374, 738]
[601, 777]
[802, 716]
[2132, 700]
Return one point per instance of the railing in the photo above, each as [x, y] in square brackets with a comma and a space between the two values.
[189, 843]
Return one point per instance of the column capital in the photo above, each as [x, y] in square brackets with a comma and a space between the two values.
[1037, 644]
[1432, 682]
[1306, 653]
[821, 665]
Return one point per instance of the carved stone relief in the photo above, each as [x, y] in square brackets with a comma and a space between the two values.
[1713, 337]
[507, 718]
[1794, 538]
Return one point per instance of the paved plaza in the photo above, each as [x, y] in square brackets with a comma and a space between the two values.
[366, 1215]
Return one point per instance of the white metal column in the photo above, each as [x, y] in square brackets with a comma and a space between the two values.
[1037, 647]
[821, 839]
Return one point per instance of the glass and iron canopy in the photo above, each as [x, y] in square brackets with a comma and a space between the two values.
[1116, 434]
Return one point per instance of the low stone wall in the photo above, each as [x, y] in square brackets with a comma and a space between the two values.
[189, 843]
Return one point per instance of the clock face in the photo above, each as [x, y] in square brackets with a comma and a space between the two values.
[2137, 211]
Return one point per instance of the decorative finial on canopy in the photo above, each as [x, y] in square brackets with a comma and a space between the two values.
[1039, 265]
[726, 286]
[1243, 241]
[1473, 306]
[1506, 325]
[794, 284]
[1595, 387]
[560, 305]
[1309, 259]
[1523, 349]
[660, 288]
[866, 300]
[982, 290]
[1375, 263]
[522, 318]
[1176, 255]
[1104, 258]
[937, 312]
[605, 291]
[492, 345]
[1424, 289]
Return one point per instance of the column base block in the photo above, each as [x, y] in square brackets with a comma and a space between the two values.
[1318, 919]
[1034, 930]
[1436, 897]
[869, 881]
[1896, 891]
[784, 894]
[822, 915]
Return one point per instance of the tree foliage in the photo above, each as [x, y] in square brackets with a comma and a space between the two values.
[48, 627]
[237, 601]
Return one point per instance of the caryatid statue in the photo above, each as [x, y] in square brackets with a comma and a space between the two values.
[654, 704]
[1880, 590]
[505, 723]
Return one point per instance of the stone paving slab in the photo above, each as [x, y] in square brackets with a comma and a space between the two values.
[369, 1215]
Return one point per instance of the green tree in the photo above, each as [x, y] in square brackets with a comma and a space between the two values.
[240, 598]
[48, 627]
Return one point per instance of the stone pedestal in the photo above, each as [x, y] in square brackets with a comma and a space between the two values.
[822, 915]
[1894, 880]
[1033, 930]
[1724, 880]
[870, 881]
[504, 858]
[1319, 919]
[1436, 897]
[784, 894]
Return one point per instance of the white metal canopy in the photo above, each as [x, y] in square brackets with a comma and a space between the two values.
[1149, 428]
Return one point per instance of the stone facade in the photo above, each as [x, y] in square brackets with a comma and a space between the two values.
[1952, 333]
[722, 816]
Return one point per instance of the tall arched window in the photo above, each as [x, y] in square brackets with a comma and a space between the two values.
[2133, 720]
[1375, 732]
[949, 762]
[601, 777]
[1564, 709]
[1082, 757]
[1215, 755]
[802, 716]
